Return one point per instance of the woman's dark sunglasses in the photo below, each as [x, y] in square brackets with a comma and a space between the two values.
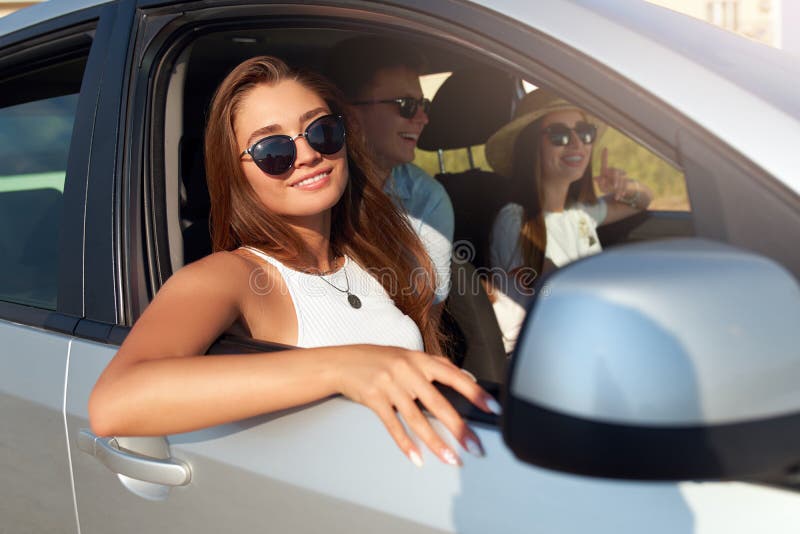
[275, 154]
[407, 105]
[559, 133]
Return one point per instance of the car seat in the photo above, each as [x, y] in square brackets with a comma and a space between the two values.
[195, 203]
[467, 109]
[469, 106]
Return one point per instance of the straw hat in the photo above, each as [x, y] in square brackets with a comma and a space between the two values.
[534, 105]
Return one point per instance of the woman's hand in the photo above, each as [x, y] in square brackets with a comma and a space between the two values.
[390, 380]
[613, 181]
[617, 186]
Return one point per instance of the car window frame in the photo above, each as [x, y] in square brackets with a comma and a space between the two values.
[160, 25]
[171, 17]
[638, 113]
[49, 43]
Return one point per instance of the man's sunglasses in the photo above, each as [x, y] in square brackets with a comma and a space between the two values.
[559, 133]
[275, 154]
[407, 105]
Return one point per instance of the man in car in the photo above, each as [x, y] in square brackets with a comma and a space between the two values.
[380, 77]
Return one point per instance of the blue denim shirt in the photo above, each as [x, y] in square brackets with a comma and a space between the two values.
[430, 212]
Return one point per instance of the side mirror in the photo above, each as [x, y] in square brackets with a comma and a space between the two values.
[668, 360]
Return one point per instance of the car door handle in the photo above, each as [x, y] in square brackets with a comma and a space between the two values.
[168, 472]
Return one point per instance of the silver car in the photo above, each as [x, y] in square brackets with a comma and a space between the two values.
[679, 411]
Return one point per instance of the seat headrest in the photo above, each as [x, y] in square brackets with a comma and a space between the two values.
[469, 107]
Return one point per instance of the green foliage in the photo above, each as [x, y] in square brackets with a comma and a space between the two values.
[455, 160]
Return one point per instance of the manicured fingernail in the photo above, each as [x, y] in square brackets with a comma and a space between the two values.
[473, 447]
[494, 406]
[450, 457]
[469, 375]
[415, 458]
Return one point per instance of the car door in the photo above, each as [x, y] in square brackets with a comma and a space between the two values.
[331, 465]
[48, 83]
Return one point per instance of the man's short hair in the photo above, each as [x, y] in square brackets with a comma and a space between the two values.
[353, 63]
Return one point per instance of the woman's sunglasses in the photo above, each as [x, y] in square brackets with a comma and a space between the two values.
[407, 105]
[559, 133]
[275, 154]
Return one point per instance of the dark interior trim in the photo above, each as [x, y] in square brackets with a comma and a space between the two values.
[108, 157]
[72, 239]
[766, 449]
[38, 318]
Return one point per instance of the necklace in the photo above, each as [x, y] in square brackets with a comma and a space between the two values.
[353, 300]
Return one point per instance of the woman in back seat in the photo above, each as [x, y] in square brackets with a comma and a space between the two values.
[308, 252]
[547, 151]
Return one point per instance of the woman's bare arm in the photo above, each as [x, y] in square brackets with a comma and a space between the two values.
[159, 382]
[632, 198]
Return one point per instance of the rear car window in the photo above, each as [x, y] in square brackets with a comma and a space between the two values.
[34, 146]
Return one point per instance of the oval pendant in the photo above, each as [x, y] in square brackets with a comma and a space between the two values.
[354, 301]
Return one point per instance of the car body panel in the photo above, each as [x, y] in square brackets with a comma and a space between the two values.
[332, 466]
[36, 485]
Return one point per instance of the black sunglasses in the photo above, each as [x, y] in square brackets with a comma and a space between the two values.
[559, 133]
[407, 105]
[275, 154]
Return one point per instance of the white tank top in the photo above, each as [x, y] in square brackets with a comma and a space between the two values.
[325, 317]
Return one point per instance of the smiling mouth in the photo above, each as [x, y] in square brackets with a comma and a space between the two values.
[572, 160]
[312, 180]
[410, 136]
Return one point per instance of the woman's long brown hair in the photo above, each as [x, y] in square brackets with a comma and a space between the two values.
[365, 224]
[527, 175]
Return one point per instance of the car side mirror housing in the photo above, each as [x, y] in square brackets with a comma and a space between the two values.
[669, 360]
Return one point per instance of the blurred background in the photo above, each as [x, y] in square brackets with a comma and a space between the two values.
[9, 6]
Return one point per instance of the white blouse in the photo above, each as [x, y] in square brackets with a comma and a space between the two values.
[571, 234]
[325, 316]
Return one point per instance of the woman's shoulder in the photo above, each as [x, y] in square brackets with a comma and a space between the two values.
[504, 240]
[508, 221]
[510, 214]
[511, 208]
[224, 260]
[220, 271]
[210, 290]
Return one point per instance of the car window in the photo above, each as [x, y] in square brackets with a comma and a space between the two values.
[666, 181]
[471, 99]
[34, 145]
